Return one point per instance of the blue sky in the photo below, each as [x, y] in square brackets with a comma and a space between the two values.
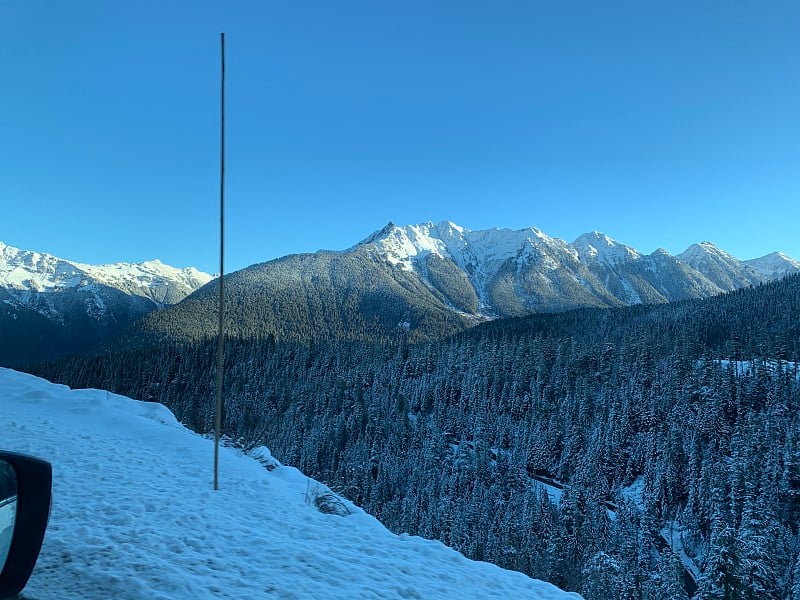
[660, 124]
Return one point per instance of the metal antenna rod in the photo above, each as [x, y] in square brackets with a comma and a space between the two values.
[220, 342]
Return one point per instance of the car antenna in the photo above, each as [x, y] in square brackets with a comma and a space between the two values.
[220, 338]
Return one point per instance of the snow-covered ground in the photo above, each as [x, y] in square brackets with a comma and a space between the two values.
[674, 536]
[635, 493]
[748, 367]
[134, 516]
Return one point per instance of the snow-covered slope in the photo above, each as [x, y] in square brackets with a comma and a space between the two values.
[723, 269]
[598, 247]
[774, 264]
[134, 516]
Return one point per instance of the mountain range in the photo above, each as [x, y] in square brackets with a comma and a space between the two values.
[50, 306]
[415, 282]
[428, 280]
[520, 272]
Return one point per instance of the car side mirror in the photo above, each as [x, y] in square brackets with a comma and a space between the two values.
[25, 491]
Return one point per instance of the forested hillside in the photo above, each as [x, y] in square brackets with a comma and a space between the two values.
[301, 297]
[64, 323]
[674, 430]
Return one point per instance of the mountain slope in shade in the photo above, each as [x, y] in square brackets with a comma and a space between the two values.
[427, 280]
[139, 519]
[352, 295]
[51, 307]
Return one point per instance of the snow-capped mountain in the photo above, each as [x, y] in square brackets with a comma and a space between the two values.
[518, 272]
[26, 271]
[598, 247]
[138, 518]
[723, 269]
[776, 264]
[434, 279]
[54, 306]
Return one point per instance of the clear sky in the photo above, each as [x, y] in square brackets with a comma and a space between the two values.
[659, 123]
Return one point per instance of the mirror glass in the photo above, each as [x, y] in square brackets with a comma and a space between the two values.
[8, 508]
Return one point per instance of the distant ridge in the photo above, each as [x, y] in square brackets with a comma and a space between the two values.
[51, 307]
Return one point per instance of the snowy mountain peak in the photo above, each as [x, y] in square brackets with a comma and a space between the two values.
[597, 246]
[770, 266]
[512, 272]
[775, 264]
[703, 249]
[596, 236]
[110, 295]
[705, 253]
[402, 244]
[151, 279]
[376, 235]
[405, 245]
[450, 226]
[722, 269]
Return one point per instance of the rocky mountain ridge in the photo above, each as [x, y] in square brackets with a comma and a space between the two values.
[523, 271]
